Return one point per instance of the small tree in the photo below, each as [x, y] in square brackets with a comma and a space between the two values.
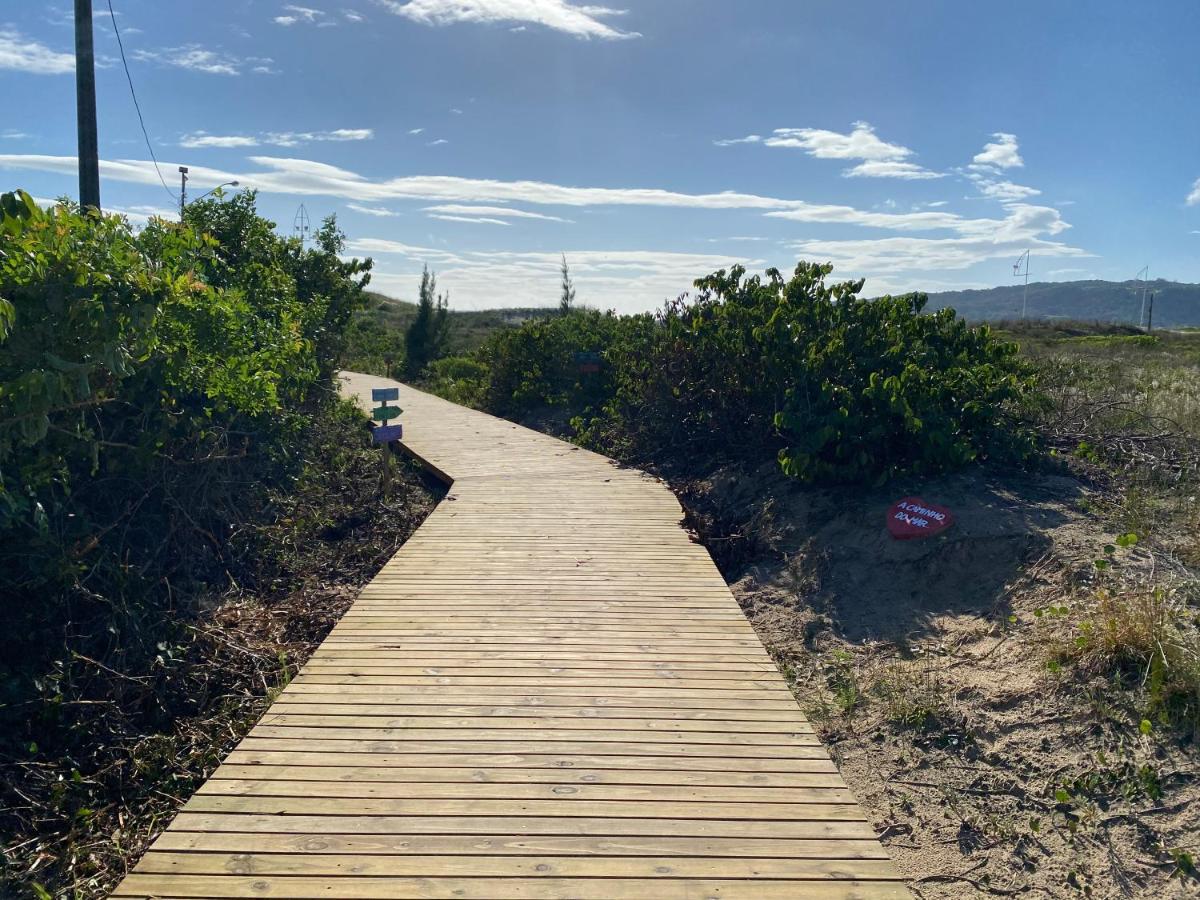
[426, 337]
[568, 289]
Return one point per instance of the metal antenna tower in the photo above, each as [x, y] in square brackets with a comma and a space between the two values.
[1143, 276]
[1023, 260]
[300, 225]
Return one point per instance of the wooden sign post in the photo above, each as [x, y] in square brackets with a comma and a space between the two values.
[384, 434]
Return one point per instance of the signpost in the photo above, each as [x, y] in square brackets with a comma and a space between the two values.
[384, 434]
[912, 518]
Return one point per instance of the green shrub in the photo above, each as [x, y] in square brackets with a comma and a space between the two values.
[151, 385]
[460, 379]
[838, 388]
[543, 362]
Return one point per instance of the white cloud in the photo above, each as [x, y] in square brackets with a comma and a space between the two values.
[308, 177]
[11, 134]
[879, 159]
[748, 139]
[629, 281]
[202, 139]
[580, 21]
[1194, 197]
[351, 15]
[1005, 191]
[969, 240]
[493, 211]
[477, 220]
[889, 168]
[416, 131]
[22, 54]
[372, 210]
[978, 240]
[1003, 153]
[302, 14]
[437, 143]
[861, 143]
[195, 58]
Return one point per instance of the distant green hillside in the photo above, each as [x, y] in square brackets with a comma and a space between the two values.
[375, 339]
[1176, 305]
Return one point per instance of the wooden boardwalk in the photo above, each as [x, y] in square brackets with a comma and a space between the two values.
[549, 692]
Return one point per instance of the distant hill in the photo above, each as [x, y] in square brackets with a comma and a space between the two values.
[468, 327]
[1175, 304]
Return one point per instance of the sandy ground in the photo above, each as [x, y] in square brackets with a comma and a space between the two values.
[928, 666]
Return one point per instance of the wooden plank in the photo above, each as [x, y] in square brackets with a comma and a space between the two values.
[170, 887]
[487, 866]
[549, 692]
[450, 845]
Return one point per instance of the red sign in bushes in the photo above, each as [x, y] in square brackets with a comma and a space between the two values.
[912, 518]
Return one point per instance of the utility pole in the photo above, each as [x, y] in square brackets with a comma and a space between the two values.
[183, 173]
[85, 107]
[1150, 314]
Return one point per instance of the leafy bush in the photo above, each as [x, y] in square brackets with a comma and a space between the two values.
[460, 379]
[558, 362]
[838, 388]
[151, 385]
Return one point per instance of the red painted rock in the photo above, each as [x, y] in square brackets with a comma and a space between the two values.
[912, 518]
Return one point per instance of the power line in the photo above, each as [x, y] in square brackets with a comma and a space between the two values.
[137, 106]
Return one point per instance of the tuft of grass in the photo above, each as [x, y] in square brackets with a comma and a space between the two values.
[913, 693]
[1151, 637]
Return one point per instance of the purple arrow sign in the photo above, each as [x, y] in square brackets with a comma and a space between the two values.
[385, 434]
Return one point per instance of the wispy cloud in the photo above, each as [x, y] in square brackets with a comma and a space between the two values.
[891, 168]
[301, 15]
[559, 15]
[1002, 153]
[1004, 191]
[627, 280]
[302, 176]
[378, 211]
[879, 159]
[416, 131]
[967, 240]
[1194, 197]
[477, 220]
[748, 139]
[493, 211]
[1024, 227]
[351, 15]
[439, 142]
[21, 54]
[202, 139]
[195, 58]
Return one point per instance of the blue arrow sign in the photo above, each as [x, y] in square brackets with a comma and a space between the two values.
[385, 434]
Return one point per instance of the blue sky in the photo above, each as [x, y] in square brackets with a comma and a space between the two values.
[922, 145]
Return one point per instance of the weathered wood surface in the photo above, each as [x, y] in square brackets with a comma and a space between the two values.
[549, 692]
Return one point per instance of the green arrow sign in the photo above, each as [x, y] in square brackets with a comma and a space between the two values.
[385, 413]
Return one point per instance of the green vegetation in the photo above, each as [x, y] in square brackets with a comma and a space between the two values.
[425, 339]
[146, 381]
[169, 434]
[838, 388]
